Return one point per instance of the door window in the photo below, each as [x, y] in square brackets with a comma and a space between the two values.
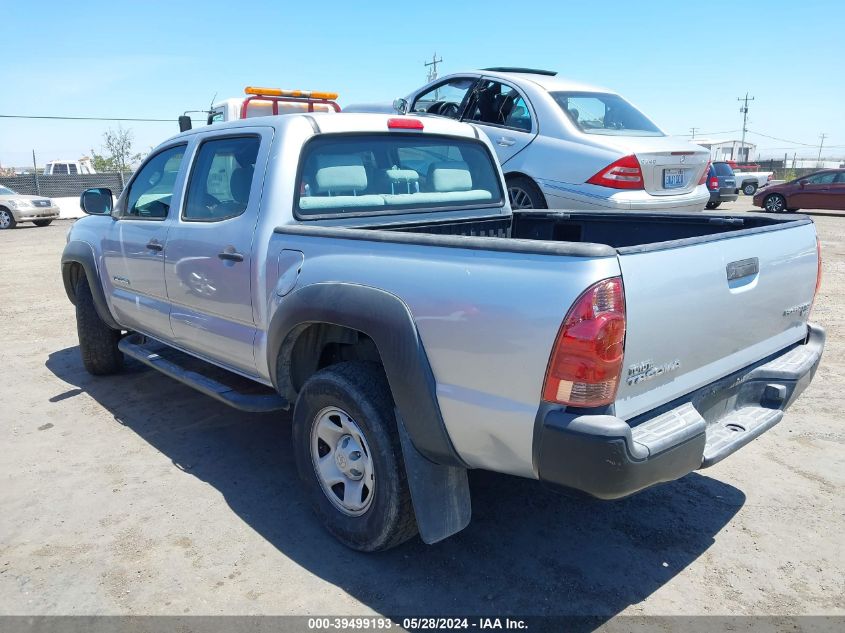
[822, 179]
[445, 99]
[497, 104]
[72, 168]
[221, 179]
[59, 168]
[840, 179]
[152, 189]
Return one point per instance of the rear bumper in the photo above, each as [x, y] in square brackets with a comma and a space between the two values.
[724, 195]
[609, 458]
[592, 197]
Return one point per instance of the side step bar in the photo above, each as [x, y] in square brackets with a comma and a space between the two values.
[186, 369]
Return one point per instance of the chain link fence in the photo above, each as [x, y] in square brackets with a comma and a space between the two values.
[64, 185]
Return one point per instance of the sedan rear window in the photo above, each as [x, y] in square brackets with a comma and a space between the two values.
[387, 173]
[604, 113]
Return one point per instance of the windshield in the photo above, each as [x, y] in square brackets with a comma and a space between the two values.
[380, 173]
[723, 169]
[5, 191]
[604, 113]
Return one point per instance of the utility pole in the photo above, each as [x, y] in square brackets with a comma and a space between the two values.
[822, 136]
[744, 109]
[432, 67]
[35, 175]
[693, 129]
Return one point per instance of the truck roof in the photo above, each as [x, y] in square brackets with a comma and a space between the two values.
[344, 122]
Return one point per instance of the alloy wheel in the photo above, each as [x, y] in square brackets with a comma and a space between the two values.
[519, 198]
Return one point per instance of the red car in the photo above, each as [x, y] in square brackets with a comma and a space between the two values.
[822, 190]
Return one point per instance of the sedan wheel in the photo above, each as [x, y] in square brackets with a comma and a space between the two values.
[774, 203]
[7, 220]
[524, 193]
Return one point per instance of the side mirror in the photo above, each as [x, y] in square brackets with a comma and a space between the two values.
[184, 123]
[400, 105]
[803, 182]
[96, 201]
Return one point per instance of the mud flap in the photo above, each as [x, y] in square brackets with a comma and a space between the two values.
[440, 494]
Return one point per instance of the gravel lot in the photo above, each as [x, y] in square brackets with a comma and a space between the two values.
[136, 495]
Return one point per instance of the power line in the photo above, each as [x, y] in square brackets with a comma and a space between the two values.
[785, 140]
[87, 118]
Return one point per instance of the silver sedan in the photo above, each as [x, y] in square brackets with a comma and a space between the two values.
[568, 145]
[16, 208]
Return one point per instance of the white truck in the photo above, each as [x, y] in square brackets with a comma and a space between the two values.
[265, 102]
[748, 182]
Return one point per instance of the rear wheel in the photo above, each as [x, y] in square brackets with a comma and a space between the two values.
[42, 222]
[7, 220]
[524, 193]
[348, 456]
[749, 188]
[774, 203]
[713, 205]
[97, 341]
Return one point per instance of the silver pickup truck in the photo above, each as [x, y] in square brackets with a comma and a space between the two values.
[367, 271]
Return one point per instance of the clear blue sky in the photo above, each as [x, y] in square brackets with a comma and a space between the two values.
[683, 63]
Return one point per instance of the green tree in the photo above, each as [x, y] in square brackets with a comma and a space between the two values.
[117, 156]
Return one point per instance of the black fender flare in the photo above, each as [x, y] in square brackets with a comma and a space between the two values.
[386, 319]
[77, 252]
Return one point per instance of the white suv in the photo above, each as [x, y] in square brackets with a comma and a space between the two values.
[568, 145]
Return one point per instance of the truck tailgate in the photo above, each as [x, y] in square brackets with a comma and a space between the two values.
[701, 308]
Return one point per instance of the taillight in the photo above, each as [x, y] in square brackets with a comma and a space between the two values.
[625, 173]
[703, 178]
[586, 361]
[714, 183]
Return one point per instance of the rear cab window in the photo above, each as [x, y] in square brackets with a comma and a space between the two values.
[370, 174]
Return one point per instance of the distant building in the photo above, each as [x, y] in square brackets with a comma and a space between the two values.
[731, 149]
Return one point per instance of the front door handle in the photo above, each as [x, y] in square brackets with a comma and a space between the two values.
[230, 256]
[504, 141]
[155, 246]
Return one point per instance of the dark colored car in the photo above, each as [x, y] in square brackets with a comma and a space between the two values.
[721, 184]
[821, 190]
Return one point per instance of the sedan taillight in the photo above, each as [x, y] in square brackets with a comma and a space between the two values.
[625, 173]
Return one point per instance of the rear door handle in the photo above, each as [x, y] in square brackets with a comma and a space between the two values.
[155, 246]
[504, 141]
[230, 256]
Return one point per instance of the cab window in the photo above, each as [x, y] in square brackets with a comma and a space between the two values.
[387, 173]
[152, 189]
[497, 104]
[221, 179]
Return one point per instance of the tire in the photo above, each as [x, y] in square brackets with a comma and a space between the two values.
[7, 220]
[749, 188]
[712, 205]
[524, 193]
[774, 203]
[97, 341]
[353, 400]
[42, 222]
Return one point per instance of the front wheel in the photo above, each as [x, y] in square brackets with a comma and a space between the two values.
[749, 188]
[348, 456]
[524, 193]
[774, 203]
[7, 220]
[97, 341]
[42, 222]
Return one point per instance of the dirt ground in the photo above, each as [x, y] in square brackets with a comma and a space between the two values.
[133, 494]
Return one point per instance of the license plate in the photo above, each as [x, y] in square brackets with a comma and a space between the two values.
[673, 178]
